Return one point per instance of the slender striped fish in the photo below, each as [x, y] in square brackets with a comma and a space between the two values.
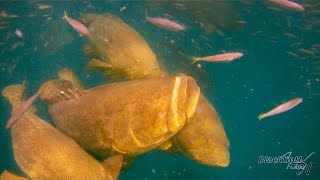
[225, 57]
[18, 113]
[289, 4]
[79, 27]
[166, 23]
[281, 108]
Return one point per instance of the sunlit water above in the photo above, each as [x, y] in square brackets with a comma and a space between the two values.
[281, 61]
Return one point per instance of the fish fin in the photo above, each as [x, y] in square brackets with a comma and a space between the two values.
[98, 64]
[127, 161]
[65, 15]
[88, 18]
[261, 116]
[165, 146]
[146, 14]
[14, 94]
[195, 59]
[55, 91]
[68, 75]
[113, 165]
[66, 95]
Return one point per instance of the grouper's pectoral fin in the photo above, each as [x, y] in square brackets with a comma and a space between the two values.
[107, 69]
[113, 165]
[100, 65]
[166, 145]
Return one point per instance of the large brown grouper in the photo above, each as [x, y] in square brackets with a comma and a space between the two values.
[203, 138]
[43, 152]
[118, 50]
[127, 118]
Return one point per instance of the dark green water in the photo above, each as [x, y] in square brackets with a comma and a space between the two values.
[266, 76]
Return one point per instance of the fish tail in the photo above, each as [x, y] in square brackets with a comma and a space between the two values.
[14, 94]
[195, 59]
[65, 15]
[146, 13]
[261, 116]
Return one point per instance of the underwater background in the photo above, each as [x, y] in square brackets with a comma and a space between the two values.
[281, 61]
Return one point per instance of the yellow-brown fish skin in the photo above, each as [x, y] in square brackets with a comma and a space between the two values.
[203, 138]
[217, 149]
[43, 152]
[6, 175]
[124, 50]
[129, 117]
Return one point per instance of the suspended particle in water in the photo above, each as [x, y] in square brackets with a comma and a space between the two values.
[123, 8]
[18, 33]
[153, 171]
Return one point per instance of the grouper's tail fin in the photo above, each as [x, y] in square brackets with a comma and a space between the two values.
[14, 94]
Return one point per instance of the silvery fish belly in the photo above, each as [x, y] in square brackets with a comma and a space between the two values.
[122, 50]
[127, 117]
[43, 152]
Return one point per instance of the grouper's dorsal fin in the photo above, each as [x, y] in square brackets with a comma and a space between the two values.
[65, 95]
[68, 75]
[55, 91]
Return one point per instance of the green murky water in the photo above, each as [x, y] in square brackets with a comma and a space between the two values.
[281, 61]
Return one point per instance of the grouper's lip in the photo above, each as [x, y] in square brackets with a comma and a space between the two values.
[172, 121]
[193, 92]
